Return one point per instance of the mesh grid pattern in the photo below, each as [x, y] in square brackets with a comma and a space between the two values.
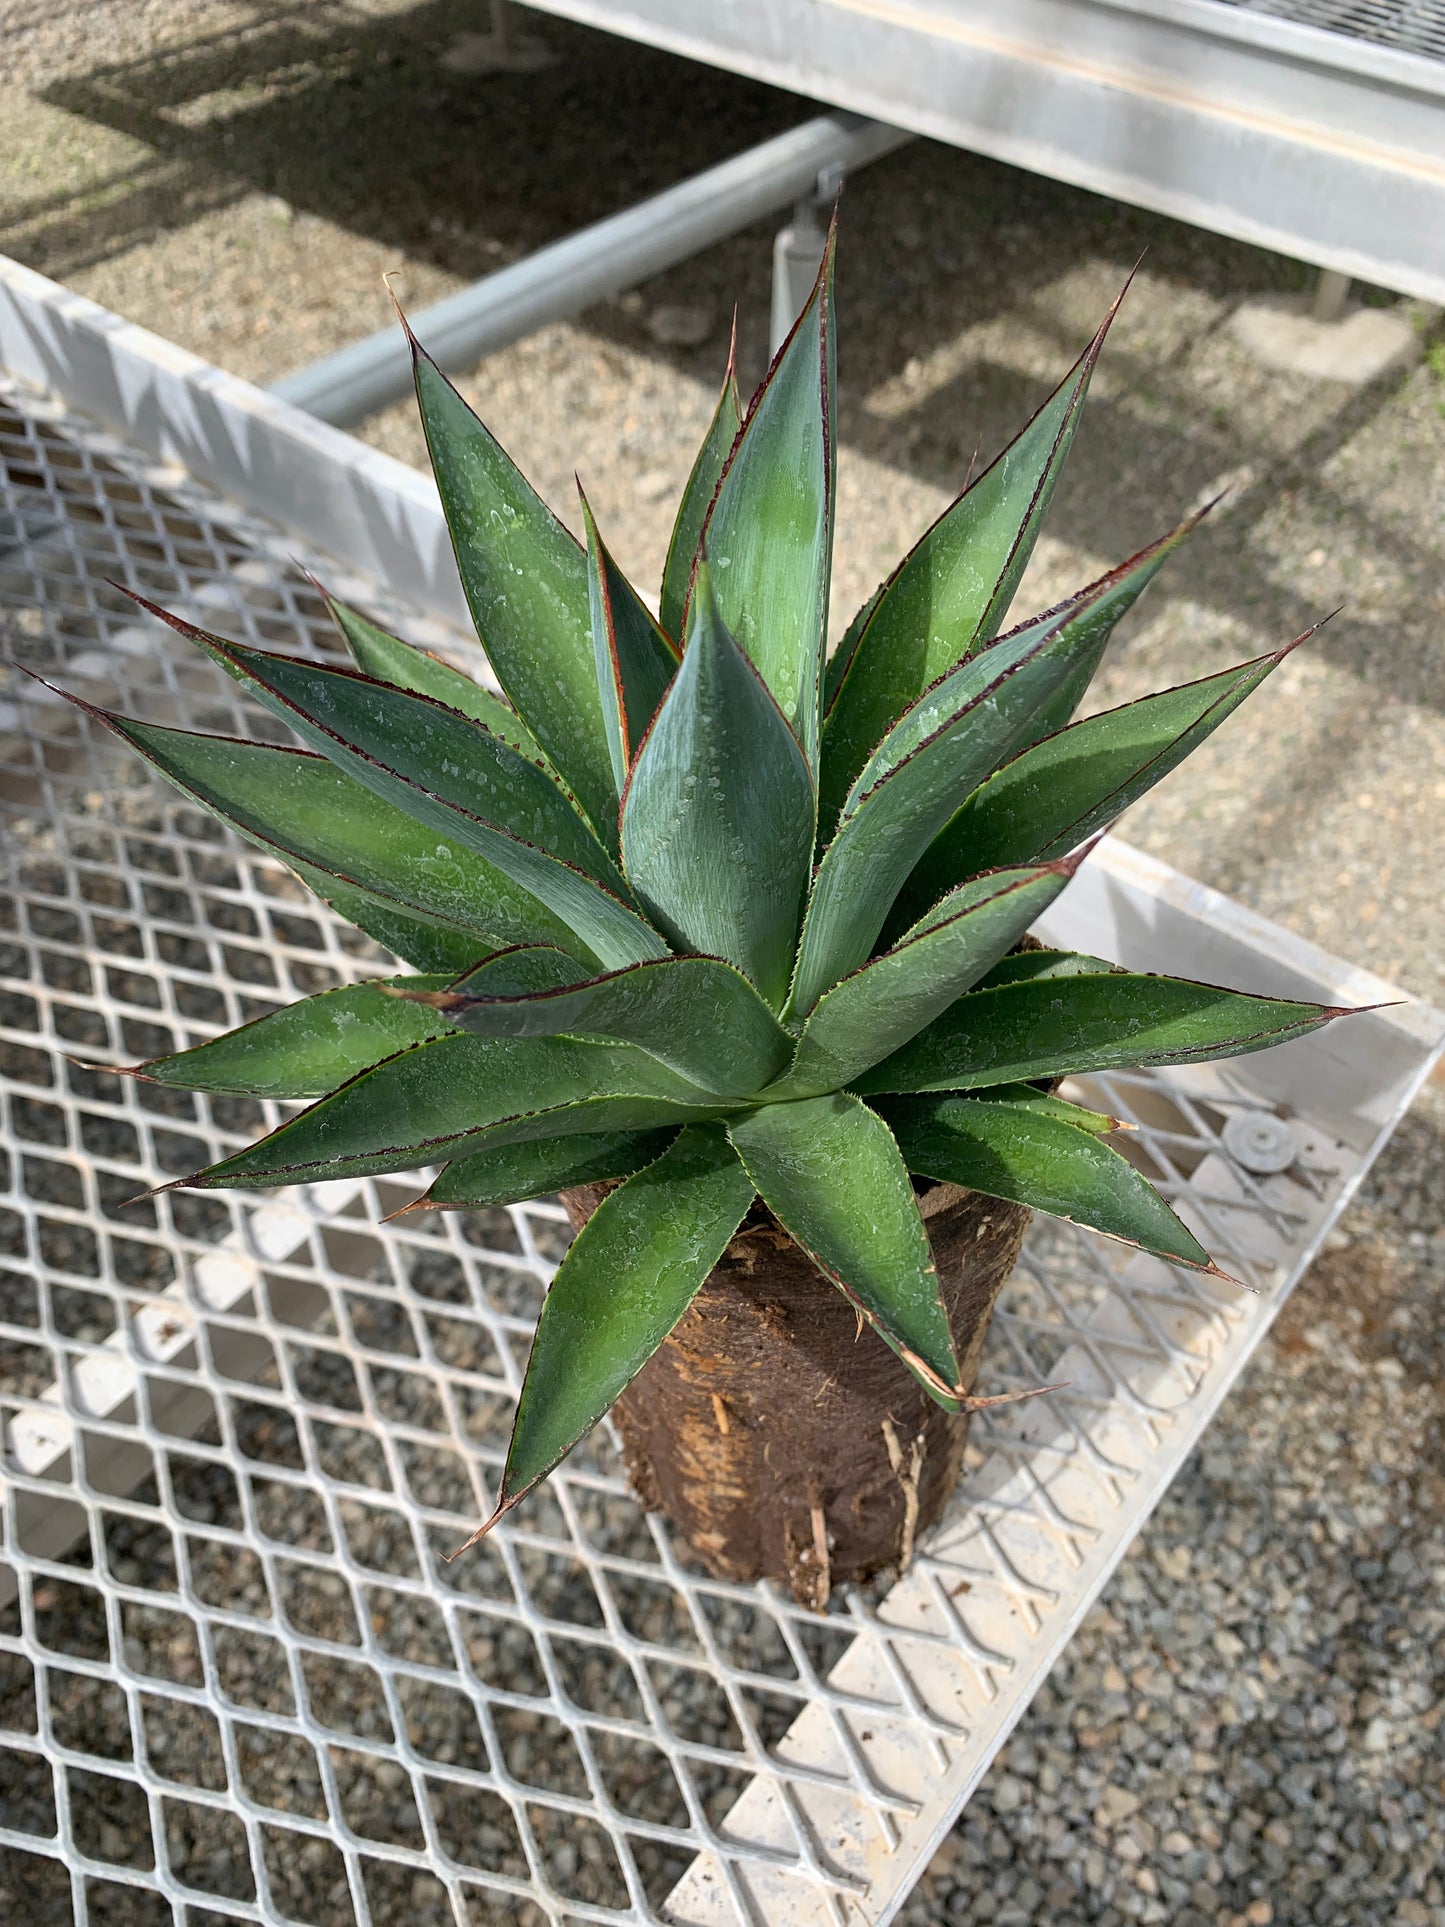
[1412, 26]
[237, 1681]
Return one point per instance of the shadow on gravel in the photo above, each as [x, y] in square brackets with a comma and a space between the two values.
[359, 122]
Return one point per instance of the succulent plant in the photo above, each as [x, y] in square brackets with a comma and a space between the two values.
[693, 908]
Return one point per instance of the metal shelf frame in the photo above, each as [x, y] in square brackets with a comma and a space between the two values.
[239, 1433]
[1314, 129]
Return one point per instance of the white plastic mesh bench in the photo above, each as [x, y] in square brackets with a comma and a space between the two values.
[235, 1676]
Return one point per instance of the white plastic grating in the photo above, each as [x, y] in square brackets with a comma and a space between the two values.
[237, 1682]
[1413, 26]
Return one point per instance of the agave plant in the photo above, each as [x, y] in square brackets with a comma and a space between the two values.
[695, 909]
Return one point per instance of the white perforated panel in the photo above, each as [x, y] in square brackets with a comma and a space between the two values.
[237, 1681]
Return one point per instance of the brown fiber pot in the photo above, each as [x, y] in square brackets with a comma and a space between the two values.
[781, 1441]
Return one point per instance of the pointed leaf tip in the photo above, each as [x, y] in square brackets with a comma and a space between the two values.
[481, 1532]
[769, 526]
[631, 1273]
[698, 497]
[970, 1402]
[950, 595]
[1307, 635]
[525, 581]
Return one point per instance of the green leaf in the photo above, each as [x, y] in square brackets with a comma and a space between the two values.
[976, 717]
[1075, 633]
[509, 1173]
[717, 822]
[1012, 1150]
[415, 752]
[376, 865]
[697, 498]
[308, 1048]
[769, 531]
[882, 1004]
[525, 580]
[517, 972]
[1065, 788]
[837, 664]
[446, 771]
[386, 658]
[1022, 965]
[452, 1095]
[695, 1014]
[1029, 1098]
[425, 946]
[828, 1168]
[633, 1270]
[948, 597]
[635, 660]
[1112, 1020]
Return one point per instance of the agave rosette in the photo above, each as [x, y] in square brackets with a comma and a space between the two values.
[691, 908]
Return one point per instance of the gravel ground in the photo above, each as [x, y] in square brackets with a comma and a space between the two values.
[1251, 1726]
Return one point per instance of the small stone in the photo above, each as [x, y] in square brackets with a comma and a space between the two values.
[1172, 1561]
[1259, 1913]
[1116, 1804]
[1008, 1793]
[1177, 1844]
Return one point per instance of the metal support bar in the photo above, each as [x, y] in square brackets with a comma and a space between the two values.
[1332, 292]
[797, 251]
[1321, 145]
[610, 255]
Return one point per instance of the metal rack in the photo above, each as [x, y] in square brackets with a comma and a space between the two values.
[235, 1675]
[1315, 128]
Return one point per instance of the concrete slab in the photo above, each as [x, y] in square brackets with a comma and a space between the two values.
[1359, 346]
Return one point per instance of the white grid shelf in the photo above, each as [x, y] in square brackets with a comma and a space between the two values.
[237, 1681]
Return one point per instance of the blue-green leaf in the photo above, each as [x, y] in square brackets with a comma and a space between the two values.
[386, 658]
[717, 822]
[436, 903]
[635, 660]
[887, 1000]
[954, 736]
[447, 771]
[455, 1094]
[633, 1270]
[1065, 788]
[950, 595]
[837, 665]
[697, 1015]
[829, 1170]
[1013, 1149]
[509, 1173]
[769, 532]
[519, 971]
[1047, 1026]
[424, 945]
[309, 1048]
[697, 498]
[1029, 1097]
[525, 580]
